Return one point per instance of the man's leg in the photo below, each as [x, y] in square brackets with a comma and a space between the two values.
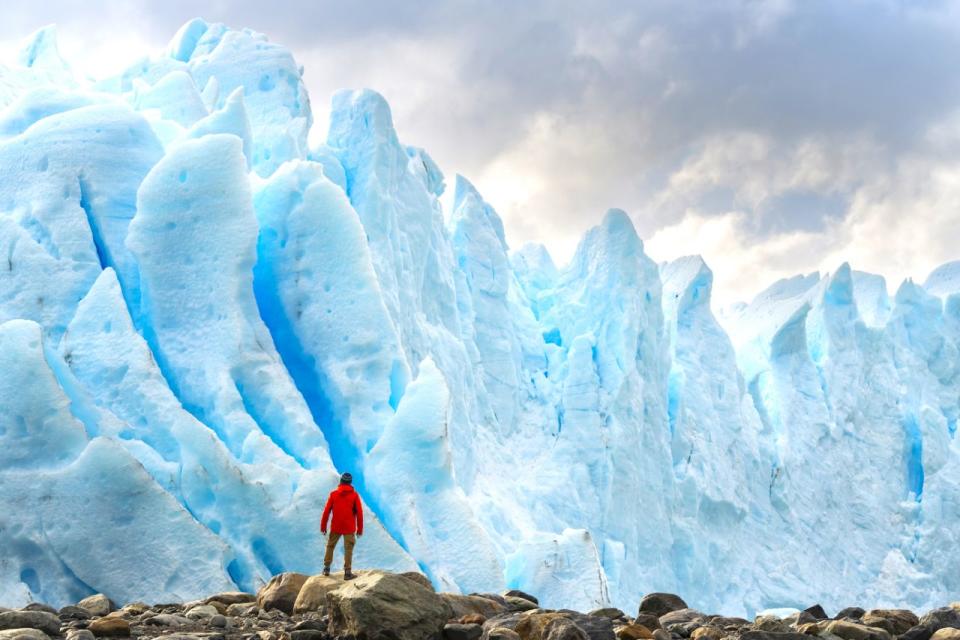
[349, 540]
[332, 540]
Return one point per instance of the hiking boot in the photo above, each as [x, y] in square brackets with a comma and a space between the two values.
[347, 575]
[326, 571]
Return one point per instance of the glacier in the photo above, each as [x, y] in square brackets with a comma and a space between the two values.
[204, 318]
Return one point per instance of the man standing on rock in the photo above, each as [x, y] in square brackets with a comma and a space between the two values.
[344, 504]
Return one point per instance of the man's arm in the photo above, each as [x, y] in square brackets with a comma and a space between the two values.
[359, 516]
[326, 514]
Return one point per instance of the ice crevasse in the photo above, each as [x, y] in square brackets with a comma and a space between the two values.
[204, 319]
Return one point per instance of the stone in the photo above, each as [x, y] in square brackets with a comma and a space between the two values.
[80, 634]
[23, 634]
[202, 612]
[110, 628]
[97, 605]
[660, 604]
[817, 612]
[456, 631]
[516, 593]
[243, 609]
[281, 592]
[472, 618]
[771, 623]
[39, 606]
[893, 621]
[799, 618]
[564, 629]
[507, 620]
[73, 612]
[946, 633]
[851, 613]
[633, 632]
[855, 631]
[595, 627]
[919, 632]
[516, 603]
[167, 620]
[219, 621]
[41, 620]
[648, 620]
[680, 616]
[661, 634]
[231, 597]
[388, 606]
[773, 635]
[707, 632]
[313, 594]
[810, 629]
[725, 622]
[416, 576]
[939, 618]
[307, 634]
[608, 612]
[501, 633]
[466, 605]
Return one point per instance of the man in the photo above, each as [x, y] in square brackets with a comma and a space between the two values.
[344, 504]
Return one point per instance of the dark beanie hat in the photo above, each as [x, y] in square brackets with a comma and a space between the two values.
[346, 478]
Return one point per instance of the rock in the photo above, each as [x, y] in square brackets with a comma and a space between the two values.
[310, 624]
[167, 620]
[501, 633]
[648, 620]
[516, 593]
[633, 632]
[725, 622]
[243, 609]
[313, 594]
[38, 606]
[772, 635]
[80, 634]
[893, 621]
[507, 620]
[564, 629]
[707, 632]
[946, 633]
[416, 576]
[799, 618]
[852, 613]
[23, 634]
[231, 597]
[472, 618]
[281, 592]
[771, 623]
[307, 634]
[110, 628]
[97, 605]
[516, 603]
[918, 632]
[660, 604]
[219, 621]
[939, 618]
[596, 628]
[680, 616]
[661, 634]
[41, 620]
[72, 612]
[608, 612]
[817, 612]
[202, 612]
[810, 629]
[386, 605]
[855, 631]
[458, 631]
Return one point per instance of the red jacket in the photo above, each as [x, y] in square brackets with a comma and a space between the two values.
[347, 511]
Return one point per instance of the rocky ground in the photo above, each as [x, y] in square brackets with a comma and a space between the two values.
[387, 606]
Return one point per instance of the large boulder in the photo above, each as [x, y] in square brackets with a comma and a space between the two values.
[23, 634]
[940, 618]
[386, 606]
[893, 621]
[854, 631]
[110, 628]
[97, 604]
[680, 616]
[538, 626]
[281, 592]
[466, 605]
[40, 620]
[772, 635]
[660, 604]
[947, 633]
[232, 597]
[313, 594]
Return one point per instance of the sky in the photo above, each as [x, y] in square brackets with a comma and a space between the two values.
[772, 137]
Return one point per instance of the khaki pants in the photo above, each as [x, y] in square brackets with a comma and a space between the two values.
[349, 539]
